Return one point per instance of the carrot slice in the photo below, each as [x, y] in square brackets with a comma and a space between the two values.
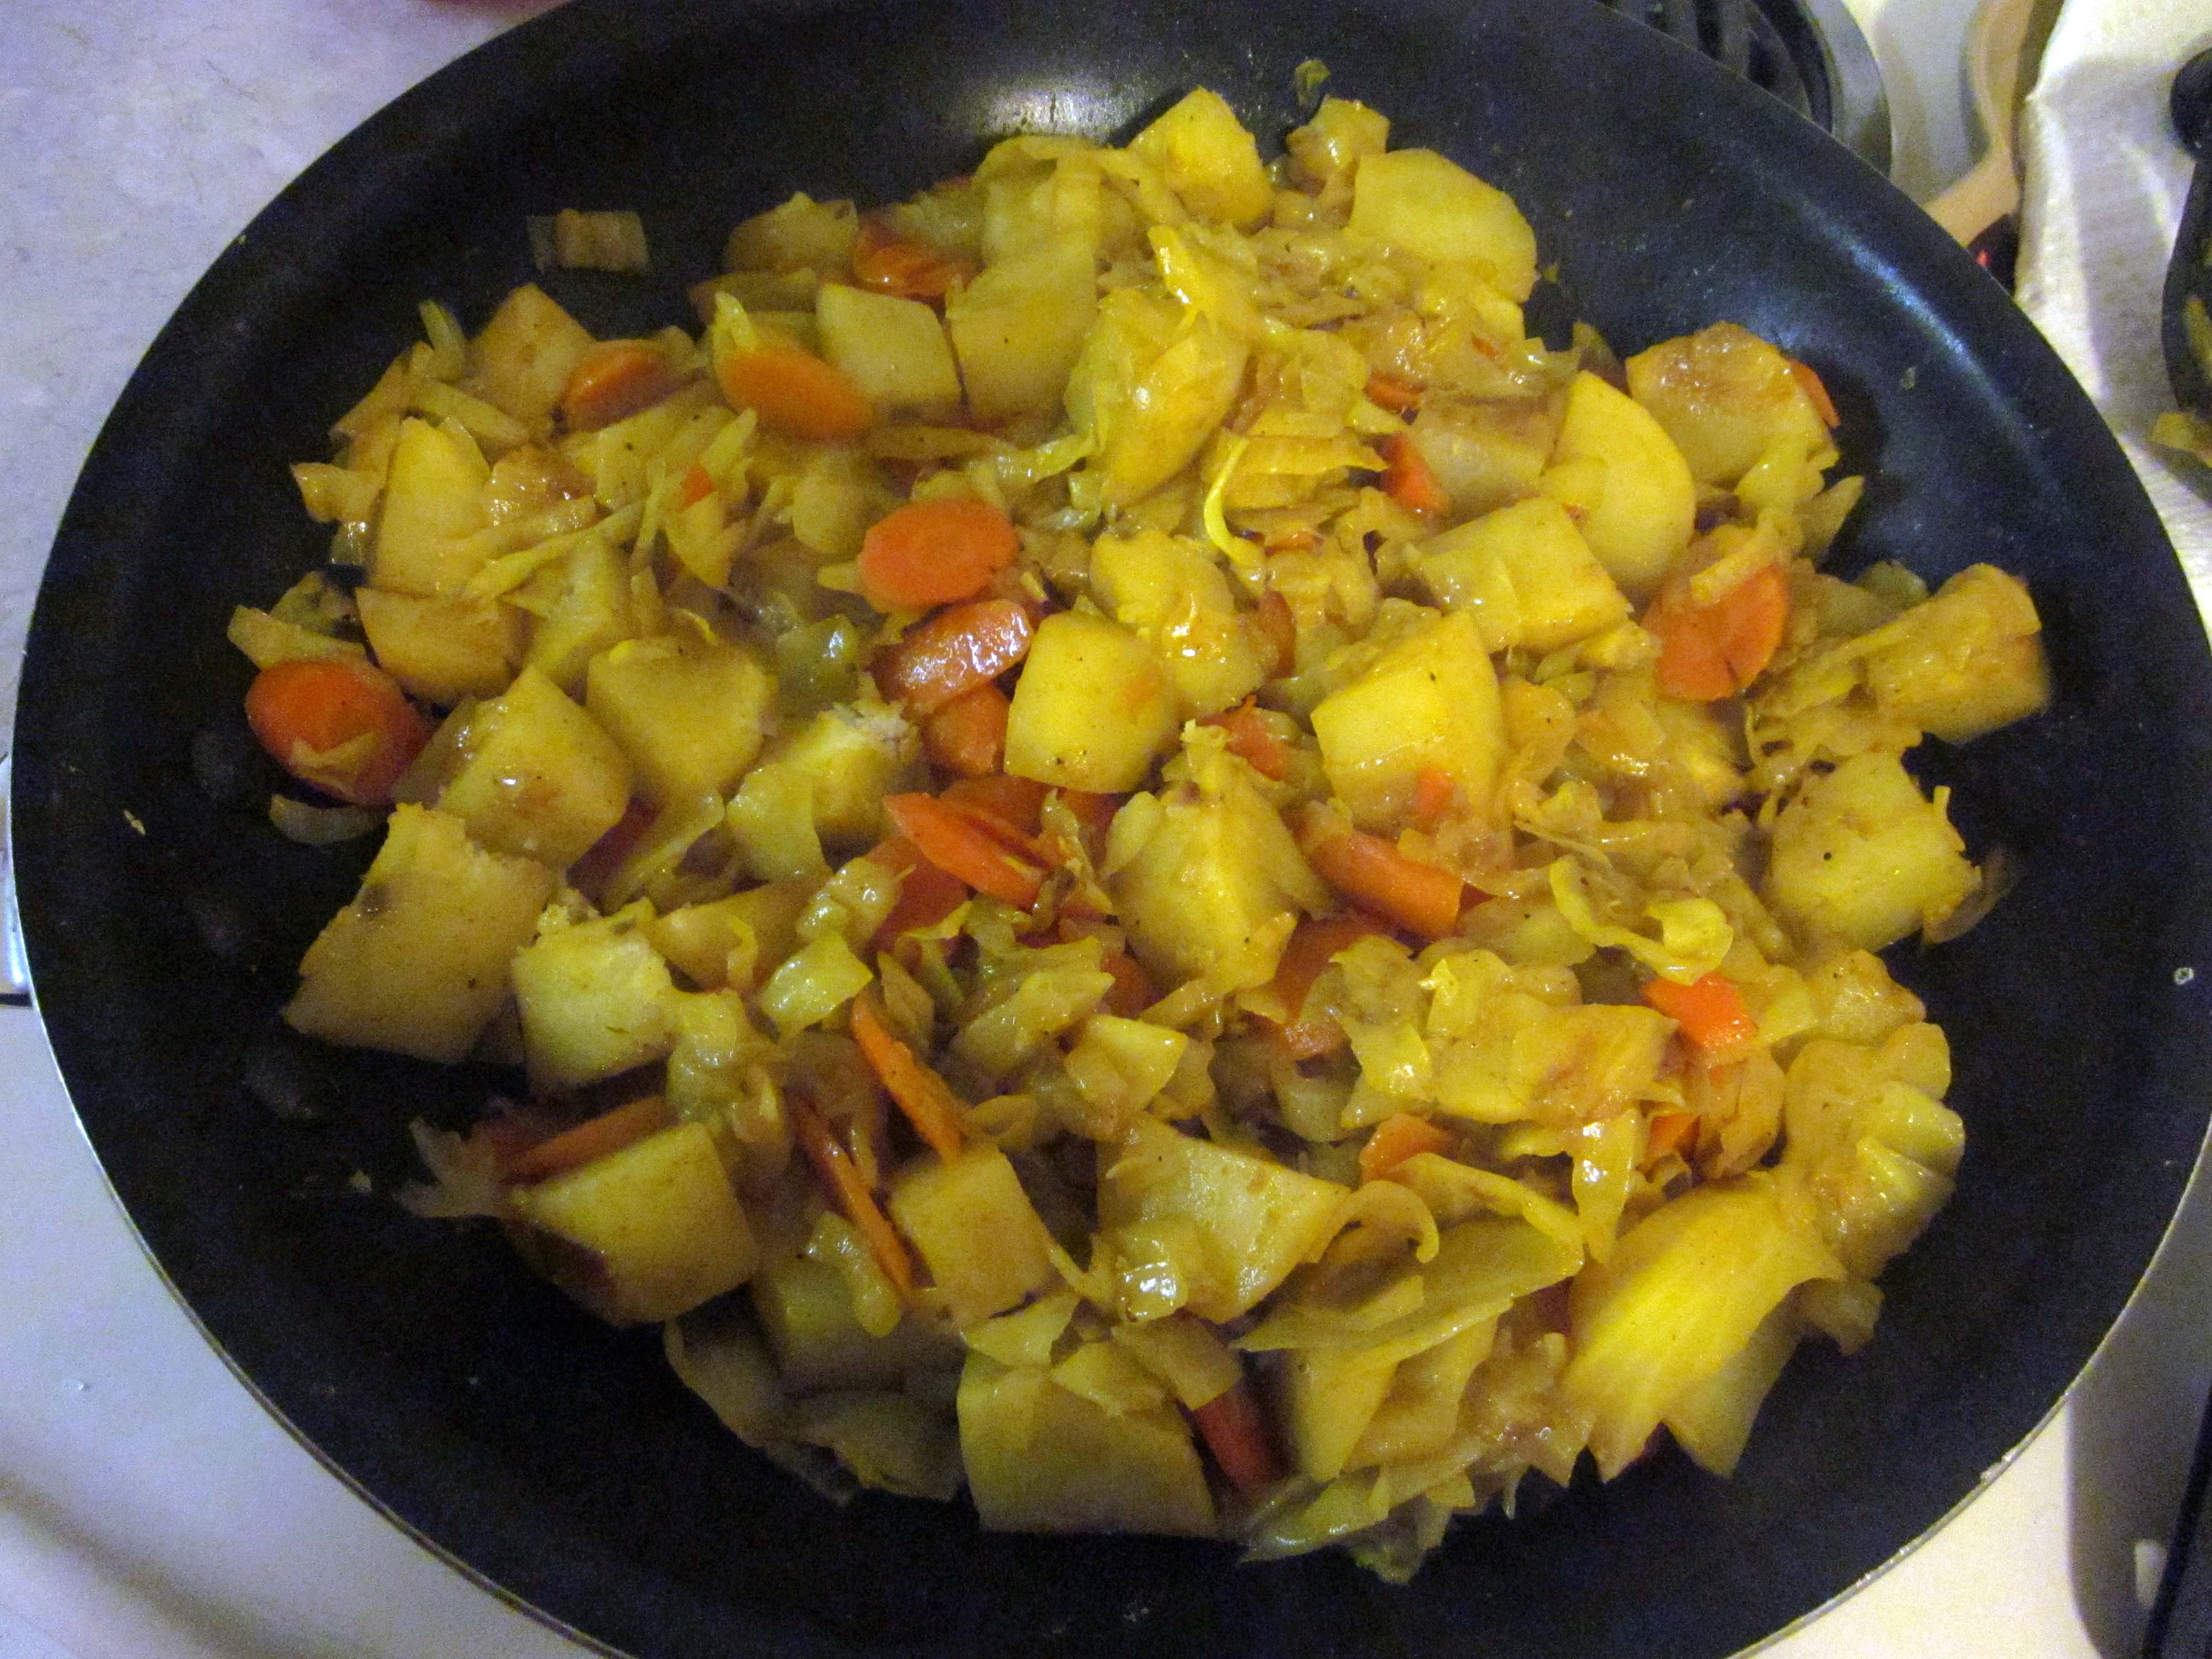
[613, 379]
[842, 1185]
[605, 855]
[698, 484]
[1418, 896]
[1252, 740]
[1010, 808]
[1707, 652]
[1094, 812]
[954, 651]
[1808, 378]
[892, 263]
[968, 736]
[956, 844]
[1396, 1139]
[1303, 961]
[1667, 1131]
[1712, 1013]
[312, 716]
[1236, 1435]
[1392, 392]
[793, 391]
[1133, 990]
[590, 1140]
[1433, 792]
[935, 552]
[927, 1099]
[927, 894]
[1278, 630]
[1408, 479]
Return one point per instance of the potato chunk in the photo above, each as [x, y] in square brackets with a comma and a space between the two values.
[1171, 593]
[441, 650]
[1725, 396]
[893, 349]
[433, 501]
[1018, 328]
[523, 358]
[1431, 207]
[1094, 706]
[1208, 160]
[662, 1230]
[1965, 662]
[1527, 575]
[977, 1231]
[1861, 856]
[532, 774]
[688, 713]
[1429, 704]
[595, 999]
[417, 964]
[1616, 466]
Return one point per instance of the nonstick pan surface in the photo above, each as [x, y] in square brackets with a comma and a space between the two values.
[558, 1459]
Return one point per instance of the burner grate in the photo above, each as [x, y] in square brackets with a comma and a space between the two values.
[1808, 53]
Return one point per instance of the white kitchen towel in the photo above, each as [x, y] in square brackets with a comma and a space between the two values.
[2105, 181]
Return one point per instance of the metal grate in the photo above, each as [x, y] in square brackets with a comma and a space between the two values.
[1808, 53]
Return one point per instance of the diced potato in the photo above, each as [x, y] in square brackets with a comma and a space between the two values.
[1616, 464]
[1432, 208]
[525, 353]
[441, 650]
[1486, 453]
[1967, 661]
[1041, 1459]
[975, 1230]
[595, 999]
[1245, 1222]
[847, 759]
[1725, 396]
[1685, 1290]
[1095, 705]
[433, 501]
[1018, 327]
[1209, 881]
[1153, 382]
[417, 964]
[893, 349]
[805, 1310]
[800, 233]
[688, 713]
[663, 1230]
[583, 606]
[1429, 704]
[1553, 591]
[1169, 591]
[1208, 160]
[600, 240]
[728, 941]
[533, 775]
[1863, 857]
[1328, 147]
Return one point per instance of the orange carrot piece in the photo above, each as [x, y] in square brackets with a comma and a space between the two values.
[793, 391]
[1707, 652]
[935, 552]
[591, 1139]
[1133, 990]
[1667, 1131]
[892, 263]
[957, 845]
[1421, 897]
[927, 894]
[615, 379]
[843, 1186]
[1252, 740]
[1279, 631]
[954, 651]
[698, 484]
[1236, 1435]
[1712, 1013]
[968, 736]
[303, 710]
[604, 856]
[1396, 1139]
[1808, 378]
[1302, 963]
[1433, 793]
[1407, 478]
[927, 1099]
[1010, 808]
[1393, 393]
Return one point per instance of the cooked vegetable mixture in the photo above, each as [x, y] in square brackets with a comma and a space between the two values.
[1139, 858]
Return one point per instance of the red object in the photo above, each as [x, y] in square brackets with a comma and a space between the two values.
[1237, 1436]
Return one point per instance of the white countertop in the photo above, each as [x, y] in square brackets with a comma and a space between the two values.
[148, 1508]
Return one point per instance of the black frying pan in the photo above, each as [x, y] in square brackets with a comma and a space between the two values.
[558, 1458]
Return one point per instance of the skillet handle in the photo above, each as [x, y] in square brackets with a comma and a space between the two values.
[14, 964]
[2181, 1623]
